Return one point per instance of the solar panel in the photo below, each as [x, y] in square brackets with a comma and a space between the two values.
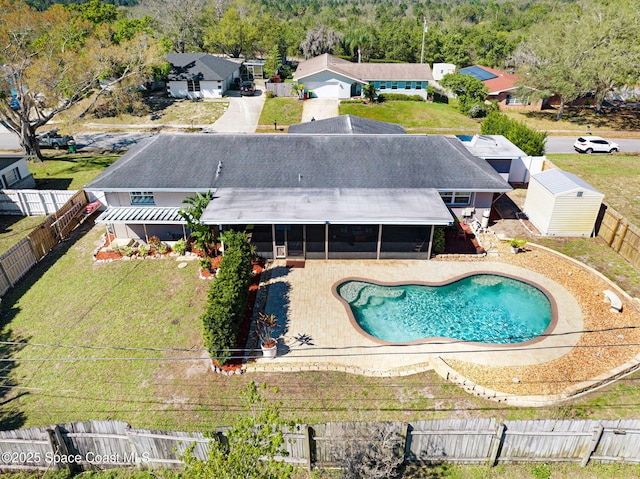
[478, 72]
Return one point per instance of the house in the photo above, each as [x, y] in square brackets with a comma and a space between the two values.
[513, 164]
[503, 88]
[200, 75]
[300, 195]
[439, 70]
[562, 204]
[347, 124]
[332, 77]
[14, 172]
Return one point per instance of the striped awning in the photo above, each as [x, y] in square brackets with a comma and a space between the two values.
[142, 215]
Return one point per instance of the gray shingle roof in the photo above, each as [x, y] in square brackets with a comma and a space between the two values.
[188, 162]
[347, 124]
[200, 66]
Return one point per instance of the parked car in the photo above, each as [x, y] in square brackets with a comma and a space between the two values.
[247, 88]
[595, 144]
[52, 139]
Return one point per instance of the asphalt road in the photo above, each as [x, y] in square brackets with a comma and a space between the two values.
[123, 141]
[564, 144]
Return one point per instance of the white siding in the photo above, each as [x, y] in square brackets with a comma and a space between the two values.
[573, 215]
[328, 85]
[208, 89]
[161, 198]
[564, 213]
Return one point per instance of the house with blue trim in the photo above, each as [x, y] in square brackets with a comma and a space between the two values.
[327, 76]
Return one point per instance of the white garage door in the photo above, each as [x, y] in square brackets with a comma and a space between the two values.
[324, 90]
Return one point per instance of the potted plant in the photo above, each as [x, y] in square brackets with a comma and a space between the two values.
[264, 329]
[516, 244]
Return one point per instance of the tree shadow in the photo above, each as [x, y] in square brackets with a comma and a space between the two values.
[10, 415]
[612, 117]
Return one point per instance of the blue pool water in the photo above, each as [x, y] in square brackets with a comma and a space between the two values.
[484, 308]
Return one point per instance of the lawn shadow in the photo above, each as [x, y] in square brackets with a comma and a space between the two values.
[613, 117]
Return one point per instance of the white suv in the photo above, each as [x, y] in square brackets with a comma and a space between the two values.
[592, 144]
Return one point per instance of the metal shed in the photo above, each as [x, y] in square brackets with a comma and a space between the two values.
[561, 204]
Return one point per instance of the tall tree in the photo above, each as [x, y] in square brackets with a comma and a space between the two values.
[178, 21]
[235, 34]
[587, 47]
[320, 40]
[54, 59]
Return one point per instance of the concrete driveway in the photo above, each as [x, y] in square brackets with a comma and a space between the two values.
[242, 115]
[319, 108]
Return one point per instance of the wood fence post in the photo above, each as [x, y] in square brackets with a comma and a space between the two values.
[595, 439]
[308, 437]
[622, 235]
[4, 273]
[614, 231]
[59, 448]
[496, 445]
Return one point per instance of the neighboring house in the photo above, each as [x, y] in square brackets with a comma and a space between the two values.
[562, 204]
[503, 88]
[200, 75]
[439, 70]
[331, 77]
[347, 124]
[513, 164]
[14, 172]
[301, 196]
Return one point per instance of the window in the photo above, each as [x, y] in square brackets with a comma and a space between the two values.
[193, 85]
[401, 84]
[394, 85]
[514, 100]
[142, 198]
[11, 177]
[376, 84]
[457, 198]
[383, 85]
[418, 85]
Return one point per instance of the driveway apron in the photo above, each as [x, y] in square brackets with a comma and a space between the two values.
[319, 109]
[242, 115]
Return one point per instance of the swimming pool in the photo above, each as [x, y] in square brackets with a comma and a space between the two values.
[485, 308]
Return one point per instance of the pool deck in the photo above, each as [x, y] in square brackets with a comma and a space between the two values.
[317, 333]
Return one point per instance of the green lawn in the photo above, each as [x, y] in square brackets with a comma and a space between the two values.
[68, 171]
[284, 110]
[423, 117]
[14, 228]
[617, 176]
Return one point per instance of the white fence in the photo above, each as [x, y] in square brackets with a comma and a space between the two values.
[33, 202]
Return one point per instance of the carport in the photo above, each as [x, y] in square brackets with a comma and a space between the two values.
[332, 223]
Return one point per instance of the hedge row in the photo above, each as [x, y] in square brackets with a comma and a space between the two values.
[398, 97]
[227, 297]
[530, 141]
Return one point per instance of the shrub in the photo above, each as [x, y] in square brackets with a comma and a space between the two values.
[180, 247]
[205, 263]
[143, 250]
[227, 297]
[400, 97]
[439, 243]
[530, 141]
[269, 94]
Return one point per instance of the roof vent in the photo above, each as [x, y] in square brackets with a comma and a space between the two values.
[219, 169]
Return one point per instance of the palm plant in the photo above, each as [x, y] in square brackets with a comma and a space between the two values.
[203, 235]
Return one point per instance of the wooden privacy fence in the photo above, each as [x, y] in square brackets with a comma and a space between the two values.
[33, 202]
[22, 256]
[622, 236]
[108, 444]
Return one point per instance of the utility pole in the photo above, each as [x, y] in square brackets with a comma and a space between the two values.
[424, 30]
